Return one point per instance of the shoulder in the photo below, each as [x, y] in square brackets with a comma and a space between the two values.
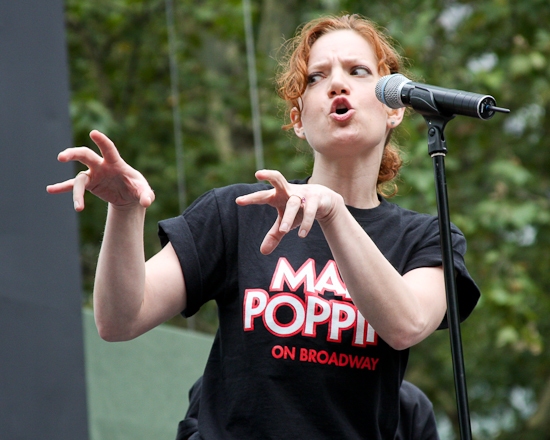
[408, 215]
[390, 219]
[422, 223]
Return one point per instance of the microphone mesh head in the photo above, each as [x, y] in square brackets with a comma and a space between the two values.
[388, 89]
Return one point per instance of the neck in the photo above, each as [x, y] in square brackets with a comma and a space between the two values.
[354, 181]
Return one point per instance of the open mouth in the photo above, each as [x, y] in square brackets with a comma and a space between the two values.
[341, 110]
[340, 106]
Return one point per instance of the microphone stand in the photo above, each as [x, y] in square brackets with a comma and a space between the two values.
[437, 150]
[425, 104]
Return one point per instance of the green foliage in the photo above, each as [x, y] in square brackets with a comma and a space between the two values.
[497, 170]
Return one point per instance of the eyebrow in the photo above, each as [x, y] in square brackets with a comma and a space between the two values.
[350, 60]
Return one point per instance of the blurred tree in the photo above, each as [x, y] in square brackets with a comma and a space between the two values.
[497, 176]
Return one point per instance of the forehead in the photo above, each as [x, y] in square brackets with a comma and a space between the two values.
[343, 44]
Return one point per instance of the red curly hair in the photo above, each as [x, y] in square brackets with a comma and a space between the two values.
[292, 76]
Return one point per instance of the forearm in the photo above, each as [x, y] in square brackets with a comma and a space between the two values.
[120, 275]
[402, 309]
[392, 304]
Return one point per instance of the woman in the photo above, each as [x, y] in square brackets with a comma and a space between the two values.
[320, 298]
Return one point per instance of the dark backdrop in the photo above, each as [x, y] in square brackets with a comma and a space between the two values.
[42, 381]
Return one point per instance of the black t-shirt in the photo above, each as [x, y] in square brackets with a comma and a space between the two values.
[293, 358]
[416, 415]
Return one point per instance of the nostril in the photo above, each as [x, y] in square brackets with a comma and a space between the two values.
[341, 92]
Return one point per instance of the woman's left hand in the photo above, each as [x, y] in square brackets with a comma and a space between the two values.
[297, 206]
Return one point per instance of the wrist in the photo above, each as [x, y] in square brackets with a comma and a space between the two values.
[134, 207]
[336, 206]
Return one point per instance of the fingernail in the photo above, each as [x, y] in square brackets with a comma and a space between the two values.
[76, 204]
[302, 233]
[284, 227]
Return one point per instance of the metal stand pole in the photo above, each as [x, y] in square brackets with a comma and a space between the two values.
[437, 150]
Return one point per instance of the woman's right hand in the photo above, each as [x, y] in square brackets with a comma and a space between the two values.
[109, 177]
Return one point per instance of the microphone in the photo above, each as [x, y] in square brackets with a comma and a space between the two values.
[398, 91]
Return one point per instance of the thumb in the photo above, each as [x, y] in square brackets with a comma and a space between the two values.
[147, 198]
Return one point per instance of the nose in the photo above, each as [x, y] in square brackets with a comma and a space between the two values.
[338, 84]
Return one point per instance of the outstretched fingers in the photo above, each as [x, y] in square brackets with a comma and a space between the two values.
[291, 213]
[108, 176]
[106, 146]
[309, 213]
[272, 238]
[297, 207]
[90, 158]
[61, 187]
[275, 178]
[79, 188]
[83, 155]
[256, 198]
[77, 185]
[294, 215]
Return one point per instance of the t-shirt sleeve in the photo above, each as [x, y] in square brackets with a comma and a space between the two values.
[199, 241]
[428, 254]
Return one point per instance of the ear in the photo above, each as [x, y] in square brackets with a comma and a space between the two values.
[395, 116]
[297, 123]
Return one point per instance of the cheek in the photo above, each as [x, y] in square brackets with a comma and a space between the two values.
[379, 111]
[306, 117]
[309, 106]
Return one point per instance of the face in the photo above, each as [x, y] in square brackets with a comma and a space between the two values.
[340, 112]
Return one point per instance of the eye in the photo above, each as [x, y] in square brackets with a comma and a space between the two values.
[312, 78]
[360, 71]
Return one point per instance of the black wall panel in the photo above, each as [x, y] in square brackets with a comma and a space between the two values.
[42, 377]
